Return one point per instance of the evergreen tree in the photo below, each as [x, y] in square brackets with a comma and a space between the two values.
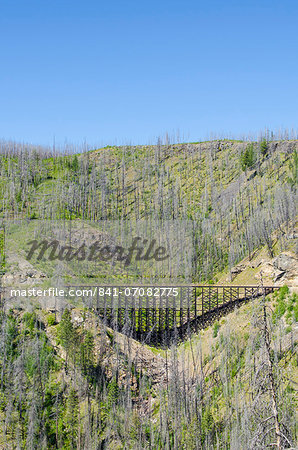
[264, 147]
[248, 157]
[67, 334]
[87, 351]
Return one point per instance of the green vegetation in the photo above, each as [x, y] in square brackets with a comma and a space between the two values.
[67, 381]
[2, 250]
[101, 396]
[293, 166]
[51, 319]
[286, 303]
[216, 329]
[248, 157]
[264, 147]
[201, 182]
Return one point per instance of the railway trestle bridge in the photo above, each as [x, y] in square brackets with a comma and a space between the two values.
[158, 316]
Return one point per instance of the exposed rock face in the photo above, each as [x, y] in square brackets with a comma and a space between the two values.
[266, 270]
[21, 271]
[286, 262]
[235, 271]
[286, 268]
[26, 277]
[238, 269]
[281, 270]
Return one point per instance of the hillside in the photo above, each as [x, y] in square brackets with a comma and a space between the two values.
[236, 194]
[227, 212]
[80, 385]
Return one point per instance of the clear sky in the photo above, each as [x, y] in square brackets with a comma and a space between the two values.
[128, 71]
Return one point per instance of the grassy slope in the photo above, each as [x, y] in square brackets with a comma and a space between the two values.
[218, 358]
[204, 182]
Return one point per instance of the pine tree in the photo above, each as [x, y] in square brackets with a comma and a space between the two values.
[264, 147]
[248, 157]
[87, 351]
[67, 334]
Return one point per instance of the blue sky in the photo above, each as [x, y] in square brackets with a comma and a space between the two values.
[128, 71]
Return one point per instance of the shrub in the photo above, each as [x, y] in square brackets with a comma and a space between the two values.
[289, 317]
[246, 336]
[296, 313]
[51, 319]
[280, 309]
[215, 329]
[293, 179]
[284, 290]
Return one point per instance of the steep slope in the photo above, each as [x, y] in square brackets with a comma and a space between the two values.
[235, 193]
[68, 381]
[78, 384]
